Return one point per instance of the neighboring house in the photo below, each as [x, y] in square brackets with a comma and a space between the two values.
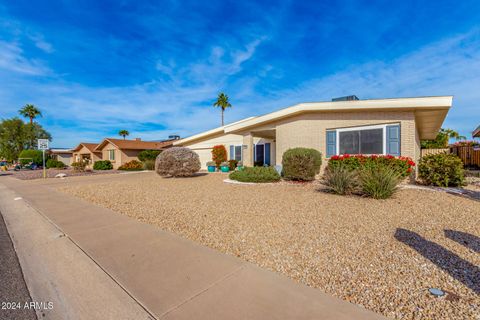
[64, 155]
[476, 132]
[120, 151]
[86, 151]
[343, 126]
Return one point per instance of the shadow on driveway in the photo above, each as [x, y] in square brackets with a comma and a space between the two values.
[458, 268]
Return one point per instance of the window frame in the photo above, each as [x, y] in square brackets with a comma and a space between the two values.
[360, 128]
[234, 151]
[110, 153]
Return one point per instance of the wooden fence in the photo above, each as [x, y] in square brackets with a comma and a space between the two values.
[469, 155]
[425, 152]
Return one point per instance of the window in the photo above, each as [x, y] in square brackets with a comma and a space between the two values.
[362, 140]
[237, 153]
[111, 155]
[367, 141]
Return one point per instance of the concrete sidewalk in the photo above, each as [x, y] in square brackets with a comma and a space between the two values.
[174, 278]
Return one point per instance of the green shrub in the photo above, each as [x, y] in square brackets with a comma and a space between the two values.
[102, 165]
[51, 163]
[256, 174]
[149, 164]
[35, 156]
[148, 155]
[340, 180]
[441, 170]
[80, 165]
[403, 165]
[232, 164]
[133, 165]
[177, 162]
[379, 182]
[301, 164]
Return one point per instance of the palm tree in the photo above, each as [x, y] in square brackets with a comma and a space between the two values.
[222, 102]
[30, 111]
[123, 133]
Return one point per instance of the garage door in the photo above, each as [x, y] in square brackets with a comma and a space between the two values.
[205, 156]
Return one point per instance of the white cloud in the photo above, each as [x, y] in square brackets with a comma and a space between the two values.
[12, 59]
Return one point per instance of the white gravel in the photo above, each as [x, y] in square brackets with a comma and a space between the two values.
[345, 246]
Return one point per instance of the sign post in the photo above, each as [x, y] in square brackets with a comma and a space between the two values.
[43, 145]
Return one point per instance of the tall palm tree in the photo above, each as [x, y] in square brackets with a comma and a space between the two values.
[123, 133]
[30, 111]
[223, 103]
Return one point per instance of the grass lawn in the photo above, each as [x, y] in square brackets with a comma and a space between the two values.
[382, 254]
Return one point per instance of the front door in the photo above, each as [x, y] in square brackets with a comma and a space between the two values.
[259, 154]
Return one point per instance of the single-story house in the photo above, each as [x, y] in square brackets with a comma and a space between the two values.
[342, 126]
[120, 151]
[86, 151]
[64, 155]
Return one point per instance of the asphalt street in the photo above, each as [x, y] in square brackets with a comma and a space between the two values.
[14, 295]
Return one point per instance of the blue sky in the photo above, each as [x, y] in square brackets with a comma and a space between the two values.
[155, 67]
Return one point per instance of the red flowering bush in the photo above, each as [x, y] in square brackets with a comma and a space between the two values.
[219, 154]
[467, 143]
[403, 165]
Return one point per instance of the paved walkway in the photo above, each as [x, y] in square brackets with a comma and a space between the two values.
[174, 278]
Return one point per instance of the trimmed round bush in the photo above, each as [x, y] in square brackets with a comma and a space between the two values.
[52, 163]
[102, 165]
[35, 156]
[133, 165]
[301, 164]
[443, 170]
[148, 155]
[256, 174]
[177, 162]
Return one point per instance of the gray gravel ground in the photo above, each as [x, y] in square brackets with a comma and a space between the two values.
[13, 290]
[382, 254]
[51, 173]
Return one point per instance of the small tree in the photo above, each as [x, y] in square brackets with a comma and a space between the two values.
[123, 133]
[219, 154]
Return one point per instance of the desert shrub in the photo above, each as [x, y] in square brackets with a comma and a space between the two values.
[148, 155]
[177, 162]
[52, 163]
[80, 165]
[232, 164]
[379, 182]
[340, 180]
[35, 156]
[441, 170]
[256, 174]
[301, 164]
[102, 165]
[133, 165]
[149, 164]
[219, 154]
[403, 165]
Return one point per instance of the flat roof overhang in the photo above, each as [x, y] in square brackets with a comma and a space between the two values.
[430, 112]
[476, 132]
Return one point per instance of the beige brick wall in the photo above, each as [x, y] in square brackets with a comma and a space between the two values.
[309, 130]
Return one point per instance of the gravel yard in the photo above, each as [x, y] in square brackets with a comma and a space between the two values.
[382, 254]
[51, 173]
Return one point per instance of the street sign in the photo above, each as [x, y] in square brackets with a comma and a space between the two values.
[42, 144]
